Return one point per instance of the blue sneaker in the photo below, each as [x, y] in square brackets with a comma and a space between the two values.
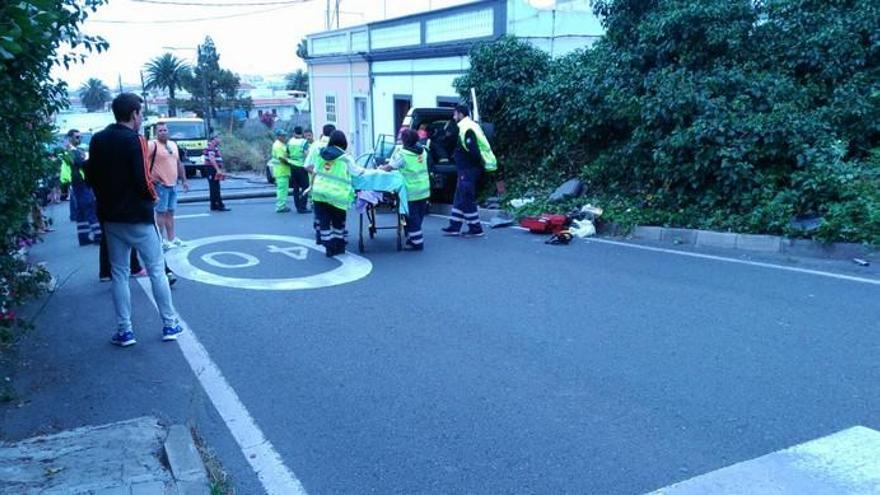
[171, 333]
[123, 339]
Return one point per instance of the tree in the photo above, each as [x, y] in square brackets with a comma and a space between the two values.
[298, 80]
[36, 37]
[211, 87]
[725, 114]
[302, 49]
[167, 72]
[94, 94]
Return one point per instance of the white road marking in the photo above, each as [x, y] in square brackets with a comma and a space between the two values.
[276, 477]
[194, 215]
[807, 271]
[247, 260]
[352, 267]
[844, 462]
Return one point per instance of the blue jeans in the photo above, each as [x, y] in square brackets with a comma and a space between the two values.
[144, 237]
[167, 198]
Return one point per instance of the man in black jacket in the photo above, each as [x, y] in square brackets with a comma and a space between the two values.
[119, 174]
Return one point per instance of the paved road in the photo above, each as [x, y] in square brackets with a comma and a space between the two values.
[503, 365]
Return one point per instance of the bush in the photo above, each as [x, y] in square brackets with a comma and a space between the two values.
[240, 154]
[722, 114]
[30, 36]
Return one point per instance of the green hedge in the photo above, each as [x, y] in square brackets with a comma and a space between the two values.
[31, 33]
[722, 114]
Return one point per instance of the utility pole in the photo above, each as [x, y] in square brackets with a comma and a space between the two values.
[144, 94]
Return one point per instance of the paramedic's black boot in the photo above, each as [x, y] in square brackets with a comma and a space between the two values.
[474, 232]
[451, 231]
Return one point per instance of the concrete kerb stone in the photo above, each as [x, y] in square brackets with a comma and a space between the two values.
[648, 233]
[228, 196]
[754, 243]
[708, 238]
[759, 243]
[184, 459]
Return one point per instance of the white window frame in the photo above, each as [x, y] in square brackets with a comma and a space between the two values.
[327, 105]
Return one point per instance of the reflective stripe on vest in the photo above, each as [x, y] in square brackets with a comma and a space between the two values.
[333, 183]
[295, 150]
[415, 175]
[490, 163]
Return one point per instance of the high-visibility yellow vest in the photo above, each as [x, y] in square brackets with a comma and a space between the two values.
[415, 175]
[333, 183]
[490, 163]
[295, 151]
[66, 171]
[279, 168]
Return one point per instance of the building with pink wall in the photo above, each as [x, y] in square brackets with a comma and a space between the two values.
[339, 86]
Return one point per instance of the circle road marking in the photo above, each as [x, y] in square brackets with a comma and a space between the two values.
[249, 260]
[352, 268]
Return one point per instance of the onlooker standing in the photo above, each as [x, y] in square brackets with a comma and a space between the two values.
[118, 170]
[281, 171]
[88, 230]
[214, 166]
[165, 171]
[299, 178]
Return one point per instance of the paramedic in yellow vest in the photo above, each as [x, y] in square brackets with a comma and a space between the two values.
[313, 155]
[333, 193]
[412, 162]
[281, 171]
[88, 229]
[299, 178]
[469, 168]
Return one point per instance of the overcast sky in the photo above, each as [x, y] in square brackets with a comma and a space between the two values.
[256, 40]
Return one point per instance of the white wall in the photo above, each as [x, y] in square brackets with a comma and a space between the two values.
[415, 78]
[567, 27]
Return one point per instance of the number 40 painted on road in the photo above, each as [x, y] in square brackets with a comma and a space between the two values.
[298, 253]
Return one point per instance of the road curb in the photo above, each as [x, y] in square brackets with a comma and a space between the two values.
[228, 196]
[185, 462]
[753, 243]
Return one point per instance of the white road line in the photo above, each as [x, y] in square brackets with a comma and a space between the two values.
[194, 215]
[276, 478]
[807, 271]
[844, 462]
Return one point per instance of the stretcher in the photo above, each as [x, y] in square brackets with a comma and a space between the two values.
[379, 194]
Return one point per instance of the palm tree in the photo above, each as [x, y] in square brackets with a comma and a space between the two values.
[94, 94]
[298, 80]
[167, 72]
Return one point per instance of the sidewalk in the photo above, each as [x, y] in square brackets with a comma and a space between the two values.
[124, 458]
[65, 374]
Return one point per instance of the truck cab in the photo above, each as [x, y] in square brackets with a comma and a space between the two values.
[191, 136]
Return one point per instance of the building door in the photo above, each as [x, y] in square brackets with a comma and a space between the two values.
[402, 105]
[361, 125]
